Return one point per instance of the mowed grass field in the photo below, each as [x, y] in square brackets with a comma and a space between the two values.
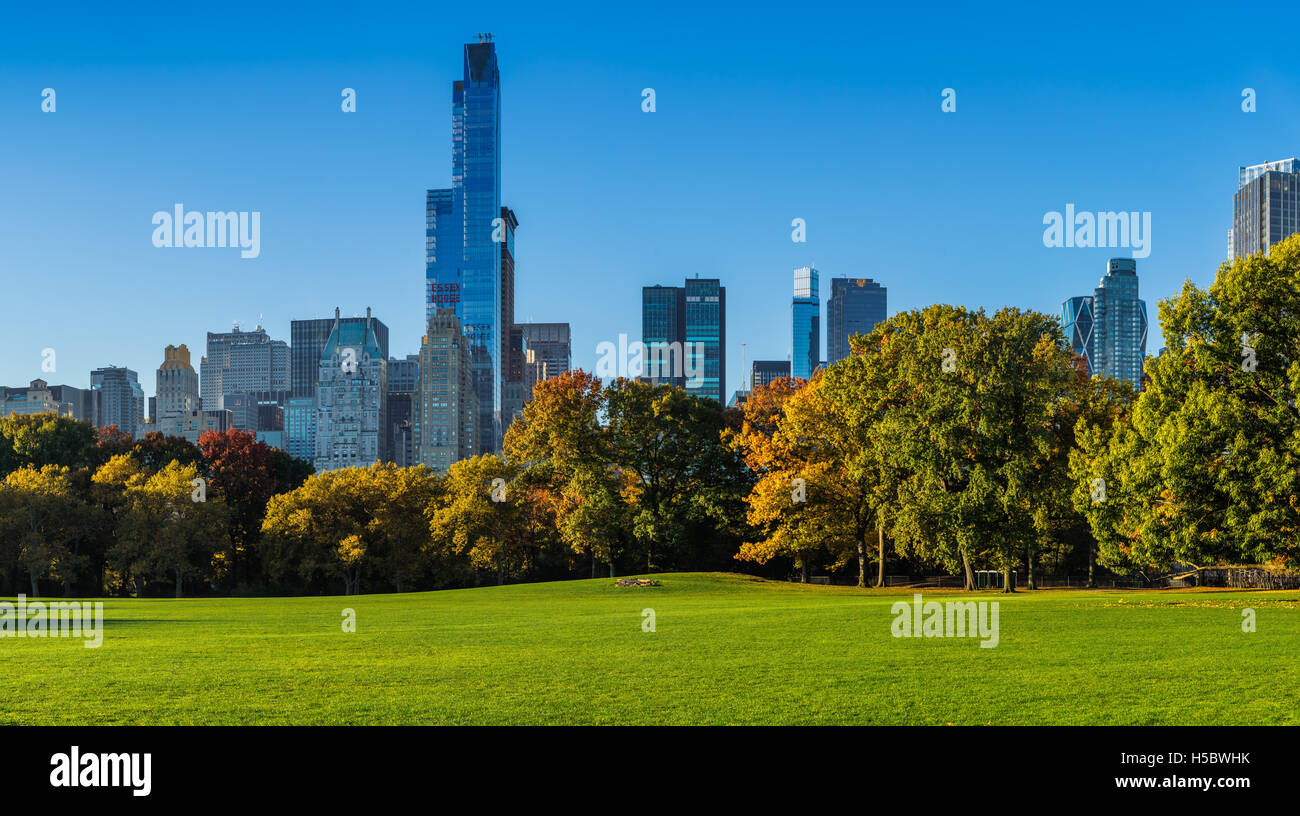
[728, 649]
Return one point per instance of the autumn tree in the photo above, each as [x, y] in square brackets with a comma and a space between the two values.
[41, 523]
[319, 529]
[480, 516]
[398, 534]
[789, 505]
[245, 473]
[111, 441]
[561, 448]
[155, 451]
[166, 530]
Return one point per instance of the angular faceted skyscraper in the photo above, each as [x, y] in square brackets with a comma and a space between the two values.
[1077, 314]
[463, 230]
[806, 310]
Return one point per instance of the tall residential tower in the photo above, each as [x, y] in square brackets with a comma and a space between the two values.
[806, 311]
[463, 228]
[1266, 207]
[1109, 329]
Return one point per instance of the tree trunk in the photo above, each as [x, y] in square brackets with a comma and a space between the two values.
[593, 563]
[970, 575]
[35, 590]
[880, 571]
[501, 572]
[803, 570]
[862, 562]
[178, 582]
[1029, 559]
[1006, 580]
[1091, 560]
[611, 566]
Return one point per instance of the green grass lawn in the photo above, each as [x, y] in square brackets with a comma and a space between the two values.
[728, 649]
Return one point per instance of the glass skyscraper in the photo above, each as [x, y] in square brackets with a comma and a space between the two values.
[856, 305]
[706, 338]
[463, 228]
[663, 324]
[1266, 207]
[1077, 315]
[1109, 329]
[684, 330]
[806, 310]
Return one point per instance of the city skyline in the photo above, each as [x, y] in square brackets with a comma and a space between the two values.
[991, 257]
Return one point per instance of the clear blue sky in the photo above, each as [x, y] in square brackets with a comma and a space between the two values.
[827, 113]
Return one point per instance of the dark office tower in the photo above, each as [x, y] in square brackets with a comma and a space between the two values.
[515, 372]
[548, 352]
[765, 371]
[1266, 207]
[403, 385]
[855, 307]
[507, 244]
[663, 327]
[806, 310]
[463, 262]
[308, 338]
[684, 331]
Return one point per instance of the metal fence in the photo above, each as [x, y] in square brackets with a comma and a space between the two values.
[1226, 577]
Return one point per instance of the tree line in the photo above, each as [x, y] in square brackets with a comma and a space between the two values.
[949, 439]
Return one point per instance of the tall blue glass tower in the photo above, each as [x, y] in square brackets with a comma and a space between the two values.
[463, 228]
[1109, 329]
[807, 313]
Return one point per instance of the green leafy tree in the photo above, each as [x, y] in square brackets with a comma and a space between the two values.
[667, 446]
[1208, 470]
[45, 439]
[972, 427]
